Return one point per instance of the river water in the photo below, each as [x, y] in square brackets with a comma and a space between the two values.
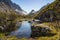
[24, 31]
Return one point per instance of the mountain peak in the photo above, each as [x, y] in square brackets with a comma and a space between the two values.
[32, 11]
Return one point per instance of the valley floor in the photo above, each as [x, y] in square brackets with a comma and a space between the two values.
[55, 37]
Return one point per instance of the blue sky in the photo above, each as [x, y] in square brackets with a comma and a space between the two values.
[28, 5]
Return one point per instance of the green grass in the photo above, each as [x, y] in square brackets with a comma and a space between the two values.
[56, 37]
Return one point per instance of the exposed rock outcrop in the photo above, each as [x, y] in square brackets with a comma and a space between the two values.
[43, 30]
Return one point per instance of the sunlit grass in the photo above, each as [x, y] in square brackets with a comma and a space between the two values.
[56, 37]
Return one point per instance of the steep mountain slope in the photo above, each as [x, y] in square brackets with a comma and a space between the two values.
[11, 4]
[8, 15]
[50, 13]
[6, 4]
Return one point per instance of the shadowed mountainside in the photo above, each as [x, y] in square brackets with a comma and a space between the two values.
[50, 12]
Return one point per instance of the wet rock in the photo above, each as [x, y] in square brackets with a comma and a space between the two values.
[29, 21]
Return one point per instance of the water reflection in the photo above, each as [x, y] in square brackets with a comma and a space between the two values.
[24, 30]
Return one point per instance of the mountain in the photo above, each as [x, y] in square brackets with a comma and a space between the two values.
[35, 14]
[50, 12]
[9, 15]
[11, 5]
[32, 12]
